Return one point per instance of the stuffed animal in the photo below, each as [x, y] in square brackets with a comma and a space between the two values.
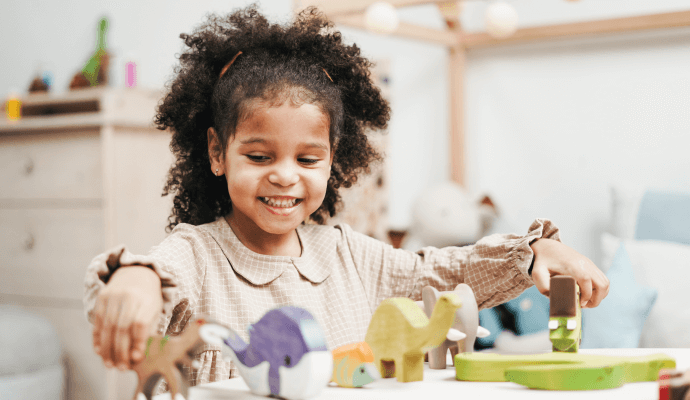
[446, 215]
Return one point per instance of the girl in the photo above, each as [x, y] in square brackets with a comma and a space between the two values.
[268, 124]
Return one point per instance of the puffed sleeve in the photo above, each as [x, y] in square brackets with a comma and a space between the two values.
[496, 267]
[179, 261]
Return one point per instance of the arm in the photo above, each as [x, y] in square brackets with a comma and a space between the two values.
[127, 296]
[496, 267]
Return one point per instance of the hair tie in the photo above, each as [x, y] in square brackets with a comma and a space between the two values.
[225, 68]
[329, 77]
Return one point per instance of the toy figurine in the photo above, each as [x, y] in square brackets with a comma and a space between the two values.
[165, 357]
[399, 333]
[466, 321]
[674, 385]
[560, 370]
[95, 72]
[286, 355]
[565, 316]
[353, 365]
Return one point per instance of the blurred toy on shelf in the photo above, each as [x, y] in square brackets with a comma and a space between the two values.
[95, 72]
[42, 81]
[565, 315]
[286, 355]
[13, 107]
[466, 321]
[353, 365]
[400, 333]
[130, 74]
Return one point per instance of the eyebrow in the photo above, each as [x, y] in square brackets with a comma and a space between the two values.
[260, 140]
[252, 140]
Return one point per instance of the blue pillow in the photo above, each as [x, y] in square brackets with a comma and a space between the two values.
[664, 216]
[489, 319]
[530, 311]
[619, 318]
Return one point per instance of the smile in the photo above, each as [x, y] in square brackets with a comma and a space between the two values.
[280, 202]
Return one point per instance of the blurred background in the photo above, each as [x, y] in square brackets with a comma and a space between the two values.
[591, 132]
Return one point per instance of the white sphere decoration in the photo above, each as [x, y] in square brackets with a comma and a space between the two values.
[501, 19]
[381, 17]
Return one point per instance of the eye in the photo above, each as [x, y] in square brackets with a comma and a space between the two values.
[572, 324]
[257, 158]
[287, 360]
[308, 161]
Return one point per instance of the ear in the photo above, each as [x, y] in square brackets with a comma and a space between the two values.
[215, 152]
[429, 296]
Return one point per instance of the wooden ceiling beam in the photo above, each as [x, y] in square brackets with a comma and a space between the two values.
[333, 8]
[581, 29]
[406, 30]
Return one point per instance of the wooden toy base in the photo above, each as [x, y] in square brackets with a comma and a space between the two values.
[561, 371]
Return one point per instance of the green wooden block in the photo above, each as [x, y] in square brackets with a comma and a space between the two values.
[561, 370]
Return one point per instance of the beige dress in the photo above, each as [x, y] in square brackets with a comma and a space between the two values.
[340, 278]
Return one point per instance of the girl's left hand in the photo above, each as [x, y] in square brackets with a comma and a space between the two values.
[552, 257]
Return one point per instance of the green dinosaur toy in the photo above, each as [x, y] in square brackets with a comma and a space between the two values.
[561, 370]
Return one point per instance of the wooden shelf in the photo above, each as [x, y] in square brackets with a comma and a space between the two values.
[85, 108]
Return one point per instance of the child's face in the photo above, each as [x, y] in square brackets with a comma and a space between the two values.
[277, 166]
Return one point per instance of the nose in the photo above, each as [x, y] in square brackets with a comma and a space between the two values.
[284, 174]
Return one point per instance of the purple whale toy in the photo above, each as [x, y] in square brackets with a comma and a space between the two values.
[286, 355]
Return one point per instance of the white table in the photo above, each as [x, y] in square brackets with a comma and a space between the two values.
[441, 384]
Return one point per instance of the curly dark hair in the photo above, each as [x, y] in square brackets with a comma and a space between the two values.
[305, 61]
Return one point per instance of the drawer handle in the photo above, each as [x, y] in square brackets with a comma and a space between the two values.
[29, 166]
[29, 242]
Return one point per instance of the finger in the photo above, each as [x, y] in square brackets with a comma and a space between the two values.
[542, 279]
[600, 288]
[98, 323]
[122, 339]
[585, 290]
[141, 331]
[107, 332]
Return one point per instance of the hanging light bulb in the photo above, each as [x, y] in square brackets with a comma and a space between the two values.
[501, 19]
[381, 17]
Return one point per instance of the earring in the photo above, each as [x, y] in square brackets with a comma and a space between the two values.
[216, 171]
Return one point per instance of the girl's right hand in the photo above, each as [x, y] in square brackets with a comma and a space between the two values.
[125, 315]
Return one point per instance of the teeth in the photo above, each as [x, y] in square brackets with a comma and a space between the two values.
[279, 203]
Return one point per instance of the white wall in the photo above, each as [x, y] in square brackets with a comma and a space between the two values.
[549, 125]
[62, 35]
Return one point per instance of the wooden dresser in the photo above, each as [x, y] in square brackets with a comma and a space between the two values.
[79, 174]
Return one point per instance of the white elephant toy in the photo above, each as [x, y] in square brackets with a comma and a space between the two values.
[466, 322]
